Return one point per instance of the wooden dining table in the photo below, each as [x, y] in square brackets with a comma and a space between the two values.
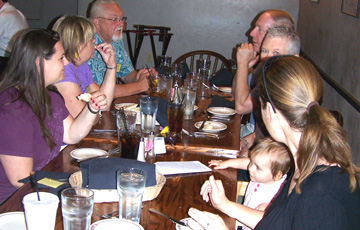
[179, 193]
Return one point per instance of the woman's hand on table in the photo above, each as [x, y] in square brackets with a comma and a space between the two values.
[205, 220]
[214, 190]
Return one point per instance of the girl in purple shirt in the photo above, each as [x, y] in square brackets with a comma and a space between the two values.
[33, 119]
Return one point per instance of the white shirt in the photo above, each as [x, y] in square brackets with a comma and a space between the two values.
[11, 22]
[258, 193]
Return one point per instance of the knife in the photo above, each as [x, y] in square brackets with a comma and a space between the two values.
[202, 124]
[168, 217]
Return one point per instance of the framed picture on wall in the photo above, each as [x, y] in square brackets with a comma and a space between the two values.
[350, 7]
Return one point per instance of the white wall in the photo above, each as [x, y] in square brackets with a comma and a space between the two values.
[216, 25]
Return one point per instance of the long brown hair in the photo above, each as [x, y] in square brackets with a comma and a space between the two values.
[21, 72]
[290, 84]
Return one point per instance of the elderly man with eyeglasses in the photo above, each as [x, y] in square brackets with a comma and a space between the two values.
[109, 21]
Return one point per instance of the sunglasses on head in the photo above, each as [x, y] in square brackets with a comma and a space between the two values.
[265, 67]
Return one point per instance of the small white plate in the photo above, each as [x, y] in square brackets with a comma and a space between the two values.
[115, 224]
[84, 153]
[225, 89]
[221, 111]
[126, 105]
[12, 221]
[211, 126]
[195, 107]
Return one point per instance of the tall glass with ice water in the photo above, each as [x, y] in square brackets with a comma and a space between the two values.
[40, 214]
[204, 68]
[77, 207]
[189, 96]
[148, 110]
[130, 186]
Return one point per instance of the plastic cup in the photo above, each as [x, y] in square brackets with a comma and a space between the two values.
[40, 215]
[148, 110]
[130, 186]
[77, 207]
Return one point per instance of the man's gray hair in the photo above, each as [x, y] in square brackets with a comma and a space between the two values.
[96, 8]
[288, 33]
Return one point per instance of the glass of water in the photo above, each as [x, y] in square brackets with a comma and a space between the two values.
[130, 186]
[148, 110]
[77, 207]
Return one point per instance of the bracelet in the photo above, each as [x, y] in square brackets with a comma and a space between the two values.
[107, 67]
[91, 111]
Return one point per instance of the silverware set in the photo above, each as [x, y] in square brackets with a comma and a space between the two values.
[109, 153]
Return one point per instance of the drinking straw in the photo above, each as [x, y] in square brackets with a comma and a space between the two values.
[34, 183]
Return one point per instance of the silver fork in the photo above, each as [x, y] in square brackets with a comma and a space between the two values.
[109, 215]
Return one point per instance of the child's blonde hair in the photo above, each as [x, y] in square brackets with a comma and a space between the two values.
[280, 155]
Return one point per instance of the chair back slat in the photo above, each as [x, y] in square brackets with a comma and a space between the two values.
[217, 60]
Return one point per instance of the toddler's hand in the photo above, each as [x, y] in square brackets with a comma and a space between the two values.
[218, 164]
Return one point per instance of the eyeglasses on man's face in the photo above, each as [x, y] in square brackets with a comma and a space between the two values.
[115, 19]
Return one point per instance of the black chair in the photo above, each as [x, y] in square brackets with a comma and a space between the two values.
[218, 61]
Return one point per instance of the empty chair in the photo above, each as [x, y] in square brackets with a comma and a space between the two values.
[218, 61]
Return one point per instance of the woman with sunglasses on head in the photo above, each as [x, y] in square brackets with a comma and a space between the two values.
[77, 36]
[322, 191]
[34, 121]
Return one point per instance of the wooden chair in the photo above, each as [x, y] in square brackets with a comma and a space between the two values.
[218, 61]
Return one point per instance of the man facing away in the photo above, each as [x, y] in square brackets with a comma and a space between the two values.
[12, 21]
[109, 22]
[247, 56]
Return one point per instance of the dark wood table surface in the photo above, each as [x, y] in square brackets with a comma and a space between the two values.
[179, 192]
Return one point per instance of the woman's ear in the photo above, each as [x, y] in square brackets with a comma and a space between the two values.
[269, 111]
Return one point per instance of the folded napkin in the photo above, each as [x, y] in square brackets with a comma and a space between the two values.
[161, 115]
[218, 101]
[58, 176]
[101, 173]
[222, 78]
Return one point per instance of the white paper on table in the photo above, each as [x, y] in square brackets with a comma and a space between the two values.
[180, 167]
[159, 145]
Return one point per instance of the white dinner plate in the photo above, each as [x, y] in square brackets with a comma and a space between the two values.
[211, 126]
[221, 111]
[126, 105]
[115, 224]
[12, 221]
[84, 153]
[225, 89]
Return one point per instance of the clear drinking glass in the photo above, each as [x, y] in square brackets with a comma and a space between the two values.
[128, 140]
[189, 96]
[77, 207]
[130, 186]
[148, 110]
[175, 114]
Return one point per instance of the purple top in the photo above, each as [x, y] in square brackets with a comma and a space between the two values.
[20, 134]
[81, 75]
